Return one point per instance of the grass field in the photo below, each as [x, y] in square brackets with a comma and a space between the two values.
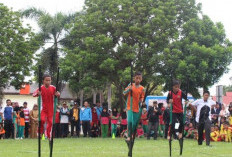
[88, 147]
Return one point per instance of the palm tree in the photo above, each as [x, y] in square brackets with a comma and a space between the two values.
[52, 32]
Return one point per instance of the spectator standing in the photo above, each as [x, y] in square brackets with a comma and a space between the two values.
[99, 110]
[114, 121]
[94, 116]
[57, 123]
[27, 119]
[16, 120]
[144, 121]
[161, 121]
[86, 118]
[8, 120]
[34, 115]
[21, 123]
[203, 117]
[166, 118]
[64, 120]
[2, 131]
[123, 124]
[104, 122]
[75, 120]
[153, 117]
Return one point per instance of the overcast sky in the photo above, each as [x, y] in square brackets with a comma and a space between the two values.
[217, 10]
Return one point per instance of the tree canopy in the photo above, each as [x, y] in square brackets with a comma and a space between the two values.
[17, 46]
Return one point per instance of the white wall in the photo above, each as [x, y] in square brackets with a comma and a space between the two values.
[21, 99]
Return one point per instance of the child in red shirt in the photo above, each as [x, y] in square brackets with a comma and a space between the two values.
[175, 97]
[140, 132]
[47, 93]
[144, 121]
[2, 131]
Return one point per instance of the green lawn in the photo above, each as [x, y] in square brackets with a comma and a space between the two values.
[88, 147]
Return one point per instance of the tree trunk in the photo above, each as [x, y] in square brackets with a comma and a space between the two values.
[109, 95]
[94, 96]
[120, 97]
[1, 96]
[101, 97]
[81, 97]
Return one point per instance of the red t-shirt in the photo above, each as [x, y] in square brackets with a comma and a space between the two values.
[144, 119]
[47, 95]
[177, 102]
[94, 117]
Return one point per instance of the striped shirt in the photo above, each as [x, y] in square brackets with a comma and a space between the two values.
[26, 114]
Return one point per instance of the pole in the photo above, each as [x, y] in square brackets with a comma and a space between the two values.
[170, 123]
[39, 103]
[54, 114]
[184, 117]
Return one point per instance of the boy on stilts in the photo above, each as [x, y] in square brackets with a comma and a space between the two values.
[48, 92]
[175, 97]
[135, 95]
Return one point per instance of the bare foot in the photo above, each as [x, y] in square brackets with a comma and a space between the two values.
[180, 135]
[128, 139]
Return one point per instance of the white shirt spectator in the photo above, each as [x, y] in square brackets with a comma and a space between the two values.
[201, 103]
[64, 117]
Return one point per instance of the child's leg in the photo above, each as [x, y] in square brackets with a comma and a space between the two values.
[104, 130]
[129, 121]
[49, 126]
[42, 121]
[20, 132]
[112, 129]
[136, 118]
[162, 126]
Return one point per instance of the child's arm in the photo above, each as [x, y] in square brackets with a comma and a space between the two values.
[184, 96]
[90, 114]
[127, 90]
[169, 98]
[142, 95]
[36, 93]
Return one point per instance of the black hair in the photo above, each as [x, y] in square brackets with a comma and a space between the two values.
[176, 82]
[206, 92]
[160, 105]
[8, 100]
[46, 75]
[105, 114]
[226, 123]
[138, 73]
[115, 113]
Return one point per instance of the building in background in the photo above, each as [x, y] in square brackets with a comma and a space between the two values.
[26, 91]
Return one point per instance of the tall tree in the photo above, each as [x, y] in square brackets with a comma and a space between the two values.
[17, 46]
[202, 53]
[52, 32]
[164, 38]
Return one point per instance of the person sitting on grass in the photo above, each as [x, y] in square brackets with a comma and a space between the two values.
[2, 131]
[94, 130]
[123, 124]
[215, 135]
[190, 131]
[140, 132]
[226, 132]
[104, 122]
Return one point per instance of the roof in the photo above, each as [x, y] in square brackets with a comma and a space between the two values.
[66, 93]
[225, 99]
